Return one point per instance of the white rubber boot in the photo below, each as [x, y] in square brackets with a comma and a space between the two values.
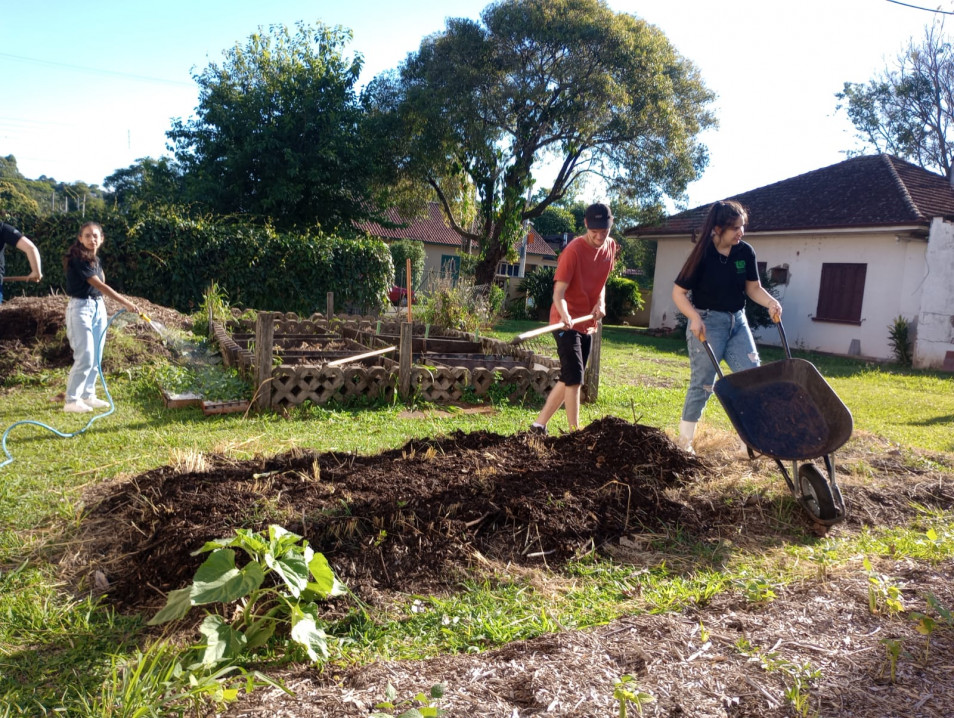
[687, 429]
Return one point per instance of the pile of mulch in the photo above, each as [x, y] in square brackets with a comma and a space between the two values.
[726, 659]
[33, 335]
[411, 519]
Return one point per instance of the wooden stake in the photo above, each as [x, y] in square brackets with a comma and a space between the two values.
[356, 357]
[409, 320]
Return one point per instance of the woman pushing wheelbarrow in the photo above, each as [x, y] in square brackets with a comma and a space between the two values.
[766, 404]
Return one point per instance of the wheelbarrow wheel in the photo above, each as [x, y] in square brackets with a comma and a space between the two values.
[816, 493]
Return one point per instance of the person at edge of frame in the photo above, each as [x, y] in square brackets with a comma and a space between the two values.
[711, 290]
[10, 235]
[579, 288]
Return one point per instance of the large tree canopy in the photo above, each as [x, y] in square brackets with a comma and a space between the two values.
[146, 184]
[278, 131]
[908, 109]
[479, 107]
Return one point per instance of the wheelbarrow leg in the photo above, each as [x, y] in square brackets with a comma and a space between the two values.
[835, 491]
[820, 497]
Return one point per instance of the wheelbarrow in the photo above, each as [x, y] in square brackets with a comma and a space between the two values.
[786, 411]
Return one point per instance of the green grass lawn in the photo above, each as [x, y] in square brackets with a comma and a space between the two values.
[52, 641]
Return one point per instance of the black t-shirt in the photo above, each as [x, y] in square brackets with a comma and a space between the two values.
[77, 272]
[719, 282]
[8, 235]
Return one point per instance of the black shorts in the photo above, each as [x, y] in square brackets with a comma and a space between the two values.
[573, 348]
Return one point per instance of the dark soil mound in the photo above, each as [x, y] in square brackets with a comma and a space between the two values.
[33, 335]
[411, 519]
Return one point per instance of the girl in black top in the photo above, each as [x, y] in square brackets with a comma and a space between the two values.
[719, 274]
[86, 317]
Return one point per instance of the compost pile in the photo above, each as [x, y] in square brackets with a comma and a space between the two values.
[33, 334]
[411, 519]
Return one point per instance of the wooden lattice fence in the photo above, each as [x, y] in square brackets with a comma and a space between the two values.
[518, 371]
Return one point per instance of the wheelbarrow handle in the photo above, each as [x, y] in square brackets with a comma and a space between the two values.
[712, 356]
[781, 333]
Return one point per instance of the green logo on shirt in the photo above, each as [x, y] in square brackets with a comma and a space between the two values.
[740, 266]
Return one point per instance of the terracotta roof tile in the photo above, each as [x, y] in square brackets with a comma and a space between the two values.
[869, 191]
[433, 230]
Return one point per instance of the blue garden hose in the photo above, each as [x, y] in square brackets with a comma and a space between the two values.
[97, 417]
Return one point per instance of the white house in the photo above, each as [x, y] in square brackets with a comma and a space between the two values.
[853, 246]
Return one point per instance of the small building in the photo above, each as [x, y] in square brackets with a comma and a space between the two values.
[443, 246]
[851, 247]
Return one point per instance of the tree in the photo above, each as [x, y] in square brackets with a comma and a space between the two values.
[478, 107]
[278, 131]
[555, 220]
[908, 109]
[145, 184]
[14, 203]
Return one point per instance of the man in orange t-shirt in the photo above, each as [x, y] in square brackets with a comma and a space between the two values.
[579, 288]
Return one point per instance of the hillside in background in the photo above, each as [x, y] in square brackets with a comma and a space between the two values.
[20, 195]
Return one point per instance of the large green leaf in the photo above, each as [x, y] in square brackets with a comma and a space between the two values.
[325, 583]
[292, 568]
[306, 633]
[219, 581]
[281, 539]
[178, 603]
[222, 642]
[259, 632]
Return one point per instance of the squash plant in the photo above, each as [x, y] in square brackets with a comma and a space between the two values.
[300, 577]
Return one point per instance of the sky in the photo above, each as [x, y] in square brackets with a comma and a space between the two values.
[89, 88]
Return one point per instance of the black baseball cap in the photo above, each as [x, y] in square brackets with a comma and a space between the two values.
[598, 216]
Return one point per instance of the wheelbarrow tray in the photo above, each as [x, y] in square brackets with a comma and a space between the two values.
[785, 410]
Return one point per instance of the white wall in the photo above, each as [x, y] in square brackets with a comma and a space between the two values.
[935, 332]
[893, 286]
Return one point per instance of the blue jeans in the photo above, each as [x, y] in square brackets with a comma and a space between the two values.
[731, 339]
[86, 330]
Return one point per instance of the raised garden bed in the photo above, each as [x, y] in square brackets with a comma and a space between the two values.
[467, 365]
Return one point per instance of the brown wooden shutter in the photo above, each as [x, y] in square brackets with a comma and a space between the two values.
[841, 292]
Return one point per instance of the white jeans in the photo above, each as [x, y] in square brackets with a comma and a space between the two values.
[86, 330]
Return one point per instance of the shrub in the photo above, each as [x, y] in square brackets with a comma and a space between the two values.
[460, 304]
[899, 336]
[401, 251]
[171, 259]
[622, 299]
[538, 287]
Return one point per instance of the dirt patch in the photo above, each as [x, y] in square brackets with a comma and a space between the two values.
[33, 335]
[418, 519]
[412, 519]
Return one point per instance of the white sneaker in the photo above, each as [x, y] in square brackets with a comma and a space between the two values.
[77, 407]
[95, 403]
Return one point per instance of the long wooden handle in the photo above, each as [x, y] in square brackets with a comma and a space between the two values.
[17, 279]
[551, 328]
[356, 357]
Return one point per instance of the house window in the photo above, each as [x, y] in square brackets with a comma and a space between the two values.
[508, 270]
[450, 266]
[841, 293]
[779, 275]
[776, 275]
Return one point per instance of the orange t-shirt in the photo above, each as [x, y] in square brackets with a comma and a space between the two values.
[585, 269]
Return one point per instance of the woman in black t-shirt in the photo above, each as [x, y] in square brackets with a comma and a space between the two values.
[86, 317]
[711, 289]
